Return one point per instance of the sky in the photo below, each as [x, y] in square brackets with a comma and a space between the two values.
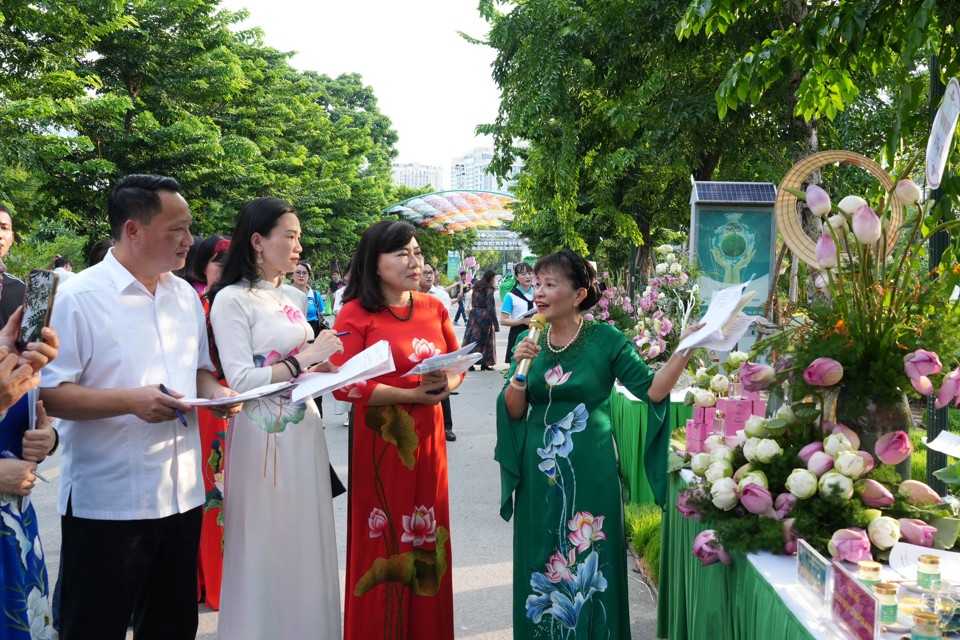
[434, 85]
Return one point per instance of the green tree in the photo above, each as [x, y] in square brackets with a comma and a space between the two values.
[832, 52]
[612, 115]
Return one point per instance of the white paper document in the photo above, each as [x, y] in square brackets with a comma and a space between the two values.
[946, 442]
[266, 391]
[903, 560]
[723, 324]
[454, 362]
[373, 361]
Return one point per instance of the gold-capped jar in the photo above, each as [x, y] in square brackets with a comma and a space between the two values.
[926, 626]
[868, 572]
[928, 571]
[887, 595]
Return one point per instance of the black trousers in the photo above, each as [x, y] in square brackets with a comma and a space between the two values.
[112, 568]
[447, 415]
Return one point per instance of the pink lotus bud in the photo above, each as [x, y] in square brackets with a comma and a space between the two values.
[823, 372]
[874, 494]
[852, 545]
[866, 225]
[918, 493]
[923, 385]
[819, 463]
[907, 192]
[826, 252]
[818, 201]
[756, 377]
[708, 550]
[756, 499]
[848, 433]
[921, 363]
[790, 537]
[784, 504]
[917, 532]
[812, 448]
[949, 390]
[894, 448]
[868, 462]
[686, 504]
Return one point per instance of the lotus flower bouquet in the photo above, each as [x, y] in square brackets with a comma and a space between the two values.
[665, 306]
[882, 316]
[797, 475]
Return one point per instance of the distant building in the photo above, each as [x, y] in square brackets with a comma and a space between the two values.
[417, 176]
[469, 172]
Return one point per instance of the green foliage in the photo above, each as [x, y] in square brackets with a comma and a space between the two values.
[92, 91]
[643, 534]
[610, 115]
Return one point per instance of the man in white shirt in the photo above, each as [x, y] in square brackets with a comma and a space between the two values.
[131, 490]
[427, 278]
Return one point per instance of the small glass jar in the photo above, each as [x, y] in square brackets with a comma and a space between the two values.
[868, 572]
[928, 572]
[719, 423]
[926, 626]
[887, 595]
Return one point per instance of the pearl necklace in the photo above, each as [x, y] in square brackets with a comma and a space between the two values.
[409, 313]
[566, 346]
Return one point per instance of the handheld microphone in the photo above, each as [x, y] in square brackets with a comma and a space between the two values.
[537, 324]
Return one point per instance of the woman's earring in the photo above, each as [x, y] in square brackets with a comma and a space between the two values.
[259, 257]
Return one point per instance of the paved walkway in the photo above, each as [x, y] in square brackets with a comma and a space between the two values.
[481, 539]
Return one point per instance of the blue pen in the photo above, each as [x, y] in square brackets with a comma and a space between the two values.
[183, 420]
[338, 335]
[9, 454]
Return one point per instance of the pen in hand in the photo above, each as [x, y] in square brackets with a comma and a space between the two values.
[337, 335]
[12, 456]
[183, 420]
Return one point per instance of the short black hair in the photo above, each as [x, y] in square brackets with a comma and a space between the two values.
[136, 196]
[522, 267]
[574, 268]
[363, 281]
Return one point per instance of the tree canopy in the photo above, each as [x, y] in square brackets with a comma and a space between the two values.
[93, 90]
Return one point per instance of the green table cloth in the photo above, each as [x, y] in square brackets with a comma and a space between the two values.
[726, 602]
[627, 413]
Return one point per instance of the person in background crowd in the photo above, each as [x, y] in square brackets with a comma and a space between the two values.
[558, 463]
[207, 267]
[338, 296]
[335, 283]
[458, 292]
[99, 251]
[427, 285]
[130, 495]
[13, 286]
[24, 601]
[399, 504]
[280, 576]
[315, 307]
[483, 324]
[517, 305]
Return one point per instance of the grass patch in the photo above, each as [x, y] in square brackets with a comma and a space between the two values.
[643, 535]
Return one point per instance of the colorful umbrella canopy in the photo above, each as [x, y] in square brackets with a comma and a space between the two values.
[451, 211]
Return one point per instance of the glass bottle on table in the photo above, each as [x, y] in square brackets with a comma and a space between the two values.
[926, 626]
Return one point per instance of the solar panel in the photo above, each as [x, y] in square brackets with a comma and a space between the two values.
[754, 192]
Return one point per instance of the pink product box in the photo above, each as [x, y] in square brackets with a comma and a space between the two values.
[704, 415]
[736, 412]
[698, 430]
[759, 408]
